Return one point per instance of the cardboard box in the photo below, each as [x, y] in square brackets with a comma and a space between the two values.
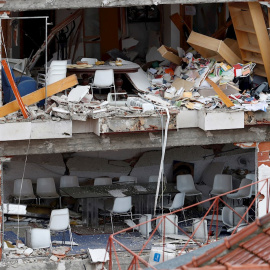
[209, 47]
[170, 54]
[187, 85]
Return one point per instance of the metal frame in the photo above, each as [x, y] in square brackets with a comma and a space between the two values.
[137, 260]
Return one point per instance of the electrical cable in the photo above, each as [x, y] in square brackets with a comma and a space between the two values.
[19, 201]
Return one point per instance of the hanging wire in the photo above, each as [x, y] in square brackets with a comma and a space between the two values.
[19, 201]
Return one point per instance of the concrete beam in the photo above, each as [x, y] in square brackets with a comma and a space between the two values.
[22, 5]
[124, 141]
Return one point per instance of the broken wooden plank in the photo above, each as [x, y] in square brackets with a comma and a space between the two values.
[14, 88]
[40, 94]
[220, 93]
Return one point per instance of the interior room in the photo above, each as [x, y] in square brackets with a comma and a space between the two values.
[202, 162]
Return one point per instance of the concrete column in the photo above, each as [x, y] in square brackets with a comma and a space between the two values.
[263, 169]
[171, 35]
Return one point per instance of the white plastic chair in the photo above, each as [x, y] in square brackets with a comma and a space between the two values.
[46, 189]
[121, 207]
[231, 219]
[177, 203]
[103, 79]
[222, 184]
[242, 193]
[57, 71]
[127, 179]
[23, 189]
[59, 222]
[154, 178]
[67, 181]
[90, 61]
[102, 181]
[185, 184]
[252, 177]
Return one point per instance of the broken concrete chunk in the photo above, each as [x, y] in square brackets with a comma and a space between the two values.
[54, 258]
[60, 110]
[60, 100]
[19, 244]
[28, 251]
[87, 98]
[98, 255]
[78, 92]
[49, 108]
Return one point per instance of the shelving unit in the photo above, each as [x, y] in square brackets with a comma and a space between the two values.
[252, 36]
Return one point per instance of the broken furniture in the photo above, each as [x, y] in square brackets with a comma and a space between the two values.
[59, 222]
[185, 184]
[46, 189]
[222, 184]
[57, 71]
[100, 181]
[170, 54]
[91, 195]
[127, 179]
[38, 238]
[212, 48]
[252, 36]
[231, 218]
[242, 193]
[25, 85]
[23, 190]
[122, 207]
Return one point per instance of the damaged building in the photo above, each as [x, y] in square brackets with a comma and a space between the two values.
[132, 133]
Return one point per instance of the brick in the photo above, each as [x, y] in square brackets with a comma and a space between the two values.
[263, 156]
[264, 146]
[267, 163]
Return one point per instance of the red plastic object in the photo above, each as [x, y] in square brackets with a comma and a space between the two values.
[169, 71]
[14, 88]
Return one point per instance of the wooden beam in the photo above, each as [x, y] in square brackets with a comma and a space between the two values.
[262, 35]
[220, 93]
[38, 95]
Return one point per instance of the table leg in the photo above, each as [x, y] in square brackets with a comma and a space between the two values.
[94, 212]
[85, 211]
[118, 83]
[85, 79]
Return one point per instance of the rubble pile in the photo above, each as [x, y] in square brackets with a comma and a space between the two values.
[195, 83]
